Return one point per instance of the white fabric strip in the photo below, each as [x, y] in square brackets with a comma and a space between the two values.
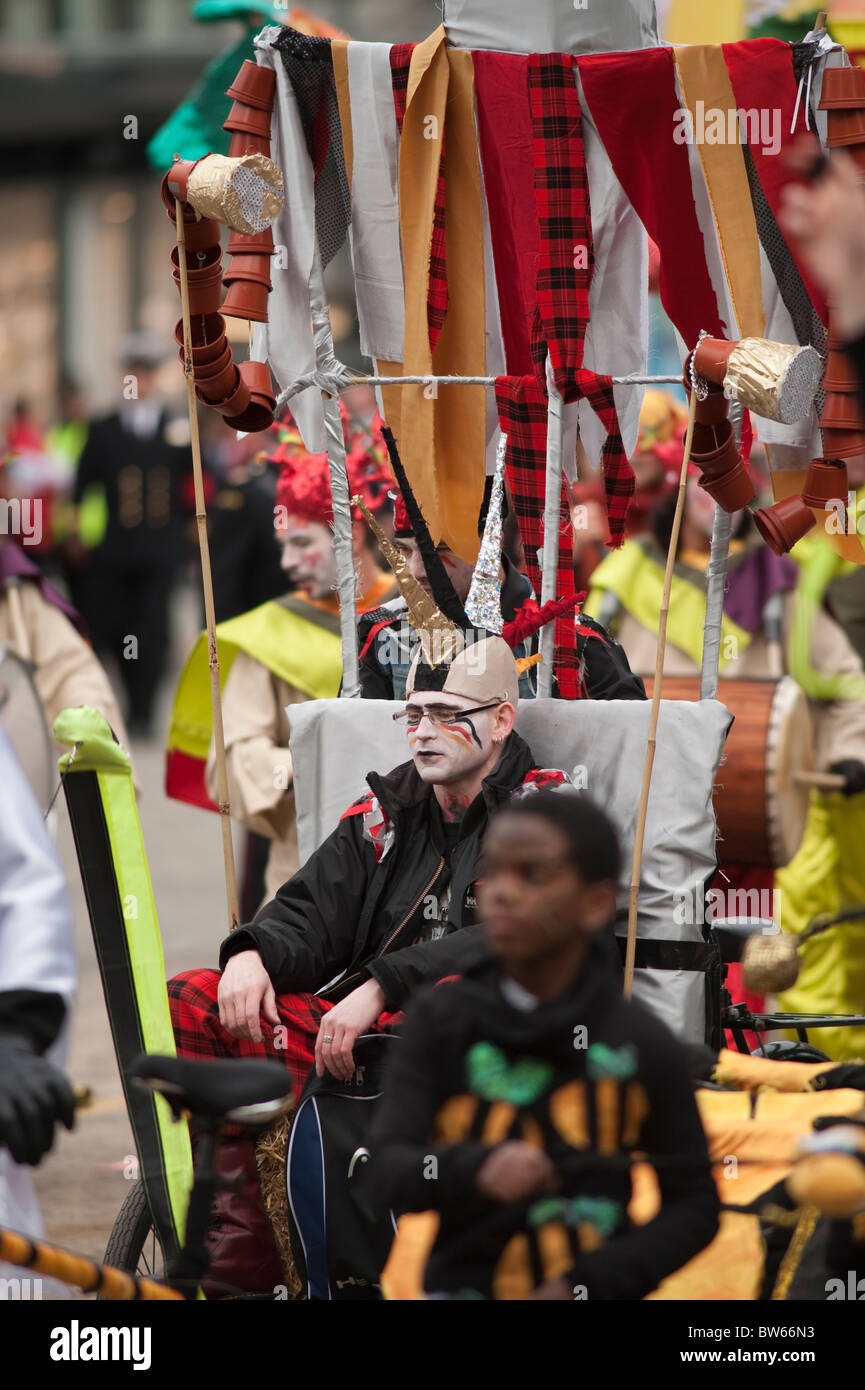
[286, 341]
[374, 235]
[617, 337]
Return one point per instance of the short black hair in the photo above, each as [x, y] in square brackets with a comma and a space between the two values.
[593, 841]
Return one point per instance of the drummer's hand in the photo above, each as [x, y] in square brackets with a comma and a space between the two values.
[245, 994]
[343, 1025]
[853, 773]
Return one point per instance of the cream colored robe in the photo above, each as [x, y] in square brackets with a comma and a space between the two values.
[260, 772]
[67, 671]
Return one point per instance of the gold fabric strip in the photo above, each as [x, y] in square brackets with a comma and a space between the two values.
[703, 76]
[339, 53]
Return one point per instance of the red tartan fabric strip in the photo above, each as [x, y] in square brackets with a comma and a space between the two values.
[761, 73]
[522, 407]
[566, 265]
[634, 101]
[506, 149]
[400, 62]
[437, 292]
[561, 200]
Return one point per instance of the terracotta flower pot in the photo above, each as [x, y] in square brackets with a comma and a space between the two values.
[843, 444]
[257, 416]
[243, 143]
[237, 402]
[720, 460]
[178, 176]
[198, 259]
[842, 87]
[711, 356]
[258, 379]
[826, 482]
[189, 213]
[213, 389]
[784, 523]
[255, 269]
[254, 85]
[205, 289]
[204, 331]
[857, 154]
[833, 340]
[732, 490]
[840, 374]
[247, 119]
[846, 127]
[841, 411]
[246, 301]
[259, 245]
[207, 371]
[204, 356]
[711, 411]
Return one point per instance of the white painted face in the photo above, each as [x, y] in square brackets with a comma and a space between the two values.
[450, 753]
[307, 555]
[458, 571]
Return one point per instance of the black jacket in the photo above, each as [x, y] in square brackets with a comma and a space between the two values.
[347, 914]
[144, 481]
[434, 1063]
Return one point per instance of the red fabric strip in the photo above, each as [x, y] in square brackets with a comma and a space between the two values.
[184, 779]
[633, 100]
[506, 150]
[761, 72]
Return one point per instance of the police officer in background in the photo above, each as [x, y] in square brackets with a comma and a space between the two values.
[138, 461]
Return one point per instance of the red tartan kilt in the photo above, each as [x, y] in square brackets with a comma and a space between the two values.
[199, 1033]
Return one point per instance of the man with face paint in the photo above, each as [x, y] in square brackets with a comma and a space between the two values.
[283, 652]
[388, 901]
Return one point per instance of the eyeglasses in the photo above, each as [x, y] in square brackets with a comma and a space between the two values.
[439, 714]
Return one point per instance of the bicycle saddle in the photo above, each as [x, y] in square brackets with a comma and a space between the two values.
[238, 1091]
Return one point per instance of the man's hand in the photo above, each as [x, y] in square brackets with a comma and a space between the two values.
[341, 1027]
[515, 1170]
[33, 1096]
[556, 1290]
[245, 994]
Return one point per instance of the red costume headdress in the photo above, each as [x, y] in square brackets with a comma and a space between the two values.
[304, 483]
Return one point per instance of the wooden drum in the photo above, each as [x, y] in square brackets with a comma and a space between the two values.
[759, 805]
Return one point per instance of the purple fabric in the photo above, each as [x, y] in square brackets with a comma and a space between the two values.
[13, 562]
[751, 584]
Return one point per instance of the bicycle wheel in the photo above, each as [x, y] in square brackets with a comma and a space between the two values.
[133, 1244]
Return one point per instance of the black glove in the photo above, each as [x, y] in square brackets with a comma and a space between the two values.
[853, 773]
[33, 1095]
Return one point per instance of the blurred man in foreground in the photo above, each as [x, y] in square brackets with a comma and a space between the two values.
[518, 1094]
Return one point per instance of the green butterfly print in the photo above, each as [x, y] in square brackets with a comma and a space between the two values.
[492, 1077]
[617, 1062]
[601, 1212]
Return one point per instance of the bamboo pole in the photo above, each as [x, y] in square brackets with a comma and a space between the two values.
[637, 860]
[57, 1263]
[207, 583]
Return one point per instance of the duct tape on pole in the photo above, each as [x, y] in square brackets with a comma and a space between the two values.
[552, 506]
[716, 578]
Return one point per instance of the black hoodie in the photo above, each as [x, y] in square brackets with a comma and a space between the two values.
[354, 913]
[591, 1078]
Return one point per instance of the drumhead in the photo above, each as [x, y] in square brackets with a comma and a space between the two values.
[789, 749]
[23, 719]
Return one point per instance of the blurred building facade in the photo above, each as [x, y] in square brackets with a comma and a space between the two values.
[83, 235]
